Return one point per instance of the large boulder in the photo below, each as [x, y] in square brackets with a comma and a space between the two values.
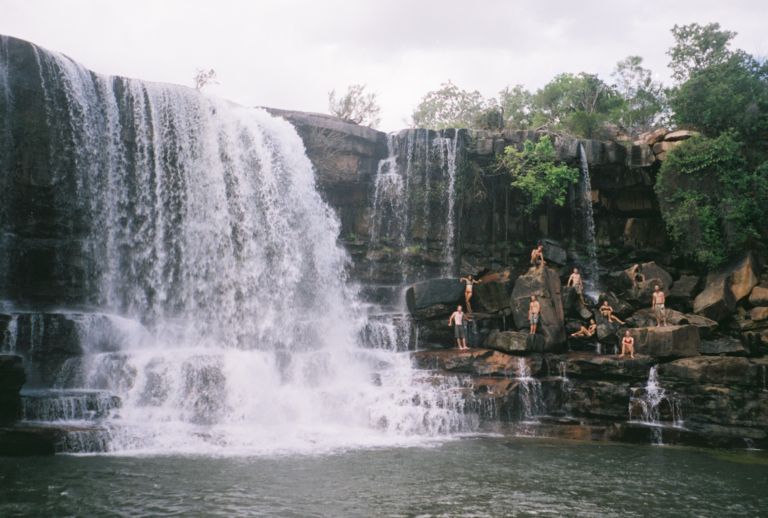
[554, 252]
[12, 377]
[667, 341]
[621, 308]
[721, 370]
[490, 296]
[684, 290]
[508, 341]
[545, 284]
[447, 293]
[653, 275]
[647, 318]
[726, 287]
[759, 296]
[724, 345]
[477, 362]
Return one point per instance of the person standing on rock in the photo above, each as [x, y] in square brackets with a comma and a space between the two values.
[457, 319]
[534, 310]
[468, 281]
[607, 311]
[537, 257]
[627, 345]
[575, 281]
[658, 306]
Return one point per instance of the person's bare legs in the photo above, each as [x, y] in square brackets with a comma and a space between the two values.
[467, 296]
[614, 318]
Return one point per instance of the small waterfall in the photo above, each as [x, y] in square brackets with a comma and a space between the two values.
[390, 203]
[651, 405]
[448, 148]
[592, 280]
[11, 334]
[531, 399]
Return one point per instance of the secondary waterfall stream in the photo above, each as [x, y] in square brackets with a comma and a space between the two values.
[206, 231]
[588, 223]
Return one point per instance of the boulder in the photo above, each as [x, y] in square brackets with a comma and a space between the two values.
[759, 313]
[716, 301]
[608, 333]
[478, 362]
[678, 135]
[721, 370]
[706, 326]
[12, 377]
[649, 138]
[653, 275]
[589, 366]
[554, 252]
[545, 284]
[490, 296]
[507, 341]
[621, 308]
[667, 342]
[432, 292]
[726, 287]
[724, 345]
[664, 147]
[759, 296]
[573, 306]
[684, 289]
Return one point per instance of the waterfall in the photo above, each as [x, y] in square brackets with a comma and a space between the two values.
[529, 390]
[448, 148]
[588, 224]
[203, 223]
[10, 335]
[647, 406]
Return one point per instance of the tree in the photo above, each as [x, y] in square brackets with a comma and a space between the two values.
[535, 172]
[517, 107]
[356, 106]
[643, 97]
[449, 107]
[697, 47]
[578, 103]
[203, 78]
[712, 201]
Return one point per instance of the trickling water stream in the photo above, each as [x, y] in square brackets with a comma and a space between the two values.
[588, 224]
[652, 406]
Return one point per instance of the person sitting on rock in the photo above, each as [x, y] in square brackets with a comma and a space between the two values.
[534, 310]
[586, 331]
[627, 345]
[577, 284]
[607, 311]
[636, 276]
[468, 282]
[457, 319]
[659, 299]
[537, 257]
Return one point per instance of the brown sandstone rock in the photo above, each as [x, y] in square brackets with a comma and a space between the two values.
[759, 313]
[667, 341]
[545, 284]
[663, 147]
[759, 296]
[684, 288]
[651, 137]
[678, 135]
[507, 341]
[726, 287]
[721, 370]
[478, 362]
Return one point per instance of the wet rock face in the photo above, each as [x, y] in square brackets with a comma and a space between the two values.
[12, 377]
[667, 341]
[726, 287]
[446, 293]
[545, 284]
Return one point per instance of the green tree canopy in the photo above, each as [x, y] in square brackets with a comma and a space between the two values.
[356, 106]
[712, 202]
[536, 173]
[449, 107]
[643, 97]
[698, 47]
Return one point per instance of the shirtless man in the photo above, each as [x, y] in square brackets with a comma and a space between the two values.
[607, 312]
[627, 345]
[537, 257]
[636, 275]
[577, 283]
[468, 281]
[658, 306]
[457, 319]
[534, 309]
[586, 331]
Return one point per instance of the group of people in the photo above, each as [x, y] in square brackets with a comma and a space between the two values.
[575, 281]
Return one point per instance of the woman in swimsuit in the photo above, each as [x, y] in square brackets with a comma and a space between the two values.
[469, 281]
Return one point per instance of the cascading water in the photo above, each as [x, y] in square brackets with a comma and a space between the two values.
[588, 224]
[205, 225]
[651, 403]
[531, 399]
[448, 148]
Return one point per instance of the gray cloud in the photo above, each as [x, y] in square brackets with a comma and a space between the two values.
[291, 53]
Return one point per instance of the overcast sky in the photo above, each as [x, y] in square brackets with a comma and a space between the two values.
[290, 53]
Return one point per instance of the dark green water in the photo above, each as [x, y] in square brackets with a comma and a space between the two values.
[470, 477]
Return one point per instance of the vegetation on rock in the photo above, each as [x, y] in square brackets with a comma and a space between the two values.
[356, 106]
[535, 172]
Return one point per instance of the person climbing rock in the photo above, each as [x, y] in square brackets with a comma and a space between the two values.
[659, 299]
[457, 319]
[636, 276]
[586, 331]
[627, 345]
[575, 281]
[534, 310]
[537, 257]
[468, 281]
[607, 311]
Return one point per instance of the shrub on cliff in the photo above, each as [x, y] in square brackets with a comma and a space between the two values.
[535, 172]
[712, 201]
